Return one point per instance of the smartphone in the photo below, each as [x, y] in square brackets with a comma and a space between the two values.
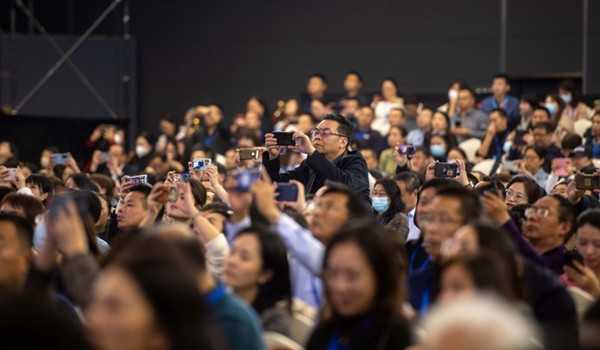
[249, 153]
[287, 192]
[587, 182]
[181, 177]
[508, 165]
[245, 178]
[562, 164]
[169, 193]
[446, 170]
[407, 149]
[59, 158]
[104, 157]
[573, 255]
[12, 172]
[137, 180]
[201, 164]
[284, 138]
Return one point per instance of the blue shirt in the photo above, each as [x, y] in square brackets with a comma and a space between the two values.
[307, 260]
[510, 104]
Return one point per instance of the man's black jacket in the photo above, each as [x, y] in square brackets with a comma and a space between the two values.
[350, 168]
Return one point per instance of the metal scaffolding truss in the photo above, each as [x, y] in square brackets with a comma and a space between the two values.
[65, 56]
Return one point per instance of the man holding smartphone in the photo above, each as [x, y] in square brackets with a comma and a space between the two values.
[328, 157]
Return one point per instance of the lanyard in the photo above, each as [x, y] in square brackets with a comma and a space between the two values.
[498, 146]
[338, 343]
[215, 295]
[502, 105]
[424, 301]
[412, 262]
[315, 292]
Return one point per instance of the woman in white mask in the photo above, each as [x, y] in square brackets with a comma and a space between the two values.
[574, 108]
[144, 146]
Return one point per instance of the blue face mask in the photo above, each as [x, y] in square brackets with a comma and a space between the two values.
[437, 151]
[506, 146]
[380, 204]
[550, 107]
[567, 98]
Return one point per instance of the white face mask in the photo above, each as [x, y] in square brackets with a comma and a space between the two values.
[118, 139]
[141, 151]
[452, 94]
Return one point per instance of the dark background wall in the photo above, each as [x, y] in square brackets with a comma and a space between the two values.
[192, 52]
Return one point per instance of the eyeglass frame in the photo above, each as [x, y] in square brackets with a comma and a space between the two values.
[514, 194]
[533, 209]
[323, 133]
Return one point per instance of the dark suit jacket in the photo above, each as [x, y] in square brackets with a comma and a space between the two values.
[350, 169]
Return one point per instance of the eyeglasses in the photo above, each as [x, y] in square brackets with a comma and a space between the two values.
[439, 219]
[541, 212]
[323, 133]
[515, 195]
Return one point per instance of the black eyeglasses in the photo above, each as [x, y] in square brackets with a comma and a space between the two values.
[323, 133]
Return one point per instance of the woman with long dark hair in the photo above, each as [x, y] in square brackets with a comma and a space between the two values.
[364, 293]
[258, 272]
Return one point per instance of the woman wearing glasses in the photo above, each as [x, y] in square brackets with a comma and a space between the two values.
[522, 190]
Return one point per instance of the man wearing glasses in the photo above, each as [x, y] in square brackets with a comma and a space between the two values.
[328, 157]
[547, 224]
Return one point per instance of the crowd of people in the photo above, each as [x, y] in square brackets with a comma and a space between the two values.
[388, 224]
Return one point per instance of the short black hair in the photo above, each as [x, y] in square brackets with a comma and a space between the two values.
[543, 109]
[357, 206]
[22, 226]
[42, 182]
[500, 111]
[546, 126]
[355, 73]
[320, 76]
[84, 183]
[169, 117]
[144, 189]
[470, 205]
[411, 181]
[467, 88]
[502, 76]
[345, 127]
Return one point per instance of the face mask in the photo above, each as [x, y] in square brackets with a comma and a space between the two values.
[506, 146]
[567, 98]
[380, 204]
[452, 94]
[437, 151]
[118, 139]
[44, 161]
[141, 151]
[550, 107]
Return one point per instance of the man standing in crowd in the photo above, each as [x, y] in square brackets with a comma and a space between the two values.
[409, 184]
[468, 121]
[335, 207]
[328, 158]
[316, 89]
[492, 146]
[500, 99]
[449, 210]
